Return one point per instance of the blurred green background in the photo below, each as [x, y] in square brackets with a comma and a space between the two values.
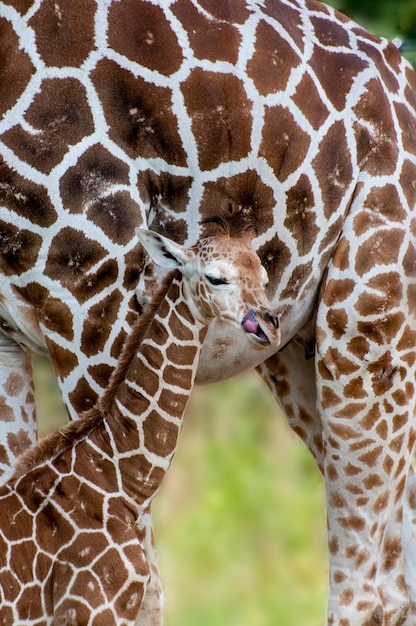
[240, 519]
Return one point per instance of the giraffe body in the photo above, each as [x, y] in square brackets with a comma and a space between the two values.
[73, 542]
[287, 116]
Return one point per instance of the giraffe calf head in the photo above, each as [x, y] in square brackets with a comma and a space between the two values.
[223, 278]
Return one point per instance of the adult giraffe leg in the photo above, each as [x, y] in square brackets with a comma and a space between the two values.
[409, 542]
[365, 396]
[290, 376]
[18, 428]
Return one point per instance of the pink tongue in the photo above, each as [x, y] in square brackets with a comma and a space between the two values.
[250, 324]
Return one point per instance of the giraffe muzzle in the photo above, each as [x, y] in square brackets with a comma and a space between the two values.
[253, 328]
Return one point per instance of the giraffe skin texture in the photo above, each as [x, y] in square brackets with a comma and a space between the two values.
[283, 115]
[73, 527]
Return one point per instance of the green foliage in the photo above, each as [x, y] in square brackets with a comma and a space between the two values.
[384, 17]
[388, 18]
[240, 518]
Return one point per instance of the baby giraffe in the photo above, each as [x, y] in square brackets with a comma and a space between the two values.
[71, 552]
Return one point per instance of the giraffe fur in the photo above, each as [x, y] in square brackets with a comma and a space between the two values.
[284, 115]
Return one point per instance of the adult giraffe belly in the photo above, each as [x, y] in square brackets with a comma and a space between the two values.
[227, 352]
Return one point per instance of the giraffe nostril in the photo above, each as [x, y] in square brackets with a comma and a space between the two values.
[271, 319]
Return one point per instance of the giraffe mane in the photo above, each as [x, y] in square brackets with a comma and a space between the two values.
[133, 340]
[57, 442]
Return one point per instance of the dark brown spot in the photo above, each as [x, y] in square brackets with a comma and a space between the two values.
[371, 418]
[61, 114]
[389, 293]
[86, 580]
[373, 52]
[335, 72]
[348, 411]
[63, 360]
[353, 470]
[95, 172]
[135, 264]
[14, 384]
[337, 290]
[139, 114]
[289, 18]
[329, 33]
[333, 168]
[392, 551]
[407, 123]
[99, 323]
[20, 5]
[52, 312]
[172, 403]
[310, 103]
[341, 430]
[231, 11]
[83, 397]
[409, 261]
[71, 258]
[6, 411]
[346, 597]
[298, 279]
[19, 249]
[339, 363]
[386, 329]
[209, 38]
[301, 215]
[337, 320]
[407, 182]
[25, 197]
[160, 436]
[165, 193]
[272, 61]
[385, 202]
[117, 215]
[333, 546]
[64, 31]
[141, 32]
[355, 389]
[284, 144]
[382, 248]
[275, 257]
[354, 522]
[172, 376]
[373, 481]
[18, 442]
[371, 457]
[242, 200]
[221, 117]
[101, 373]
[16, 67]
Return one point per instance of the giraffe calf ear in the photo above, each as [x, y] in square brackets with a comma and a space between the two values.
[164, 252]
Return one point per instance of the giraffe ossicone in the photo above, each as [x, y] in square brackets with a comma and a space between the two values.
[71, 546]
[281, 114]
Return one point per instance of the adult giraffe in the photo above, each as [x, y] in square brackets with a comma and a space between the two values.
[283, 114]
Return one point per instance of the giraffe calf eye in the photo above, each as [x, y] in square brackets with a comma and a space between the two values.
[216, 280]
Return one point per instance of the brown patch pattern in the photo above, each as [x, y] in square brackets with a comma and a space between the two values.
[61, 115]
[290, 119]
[64, 31]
